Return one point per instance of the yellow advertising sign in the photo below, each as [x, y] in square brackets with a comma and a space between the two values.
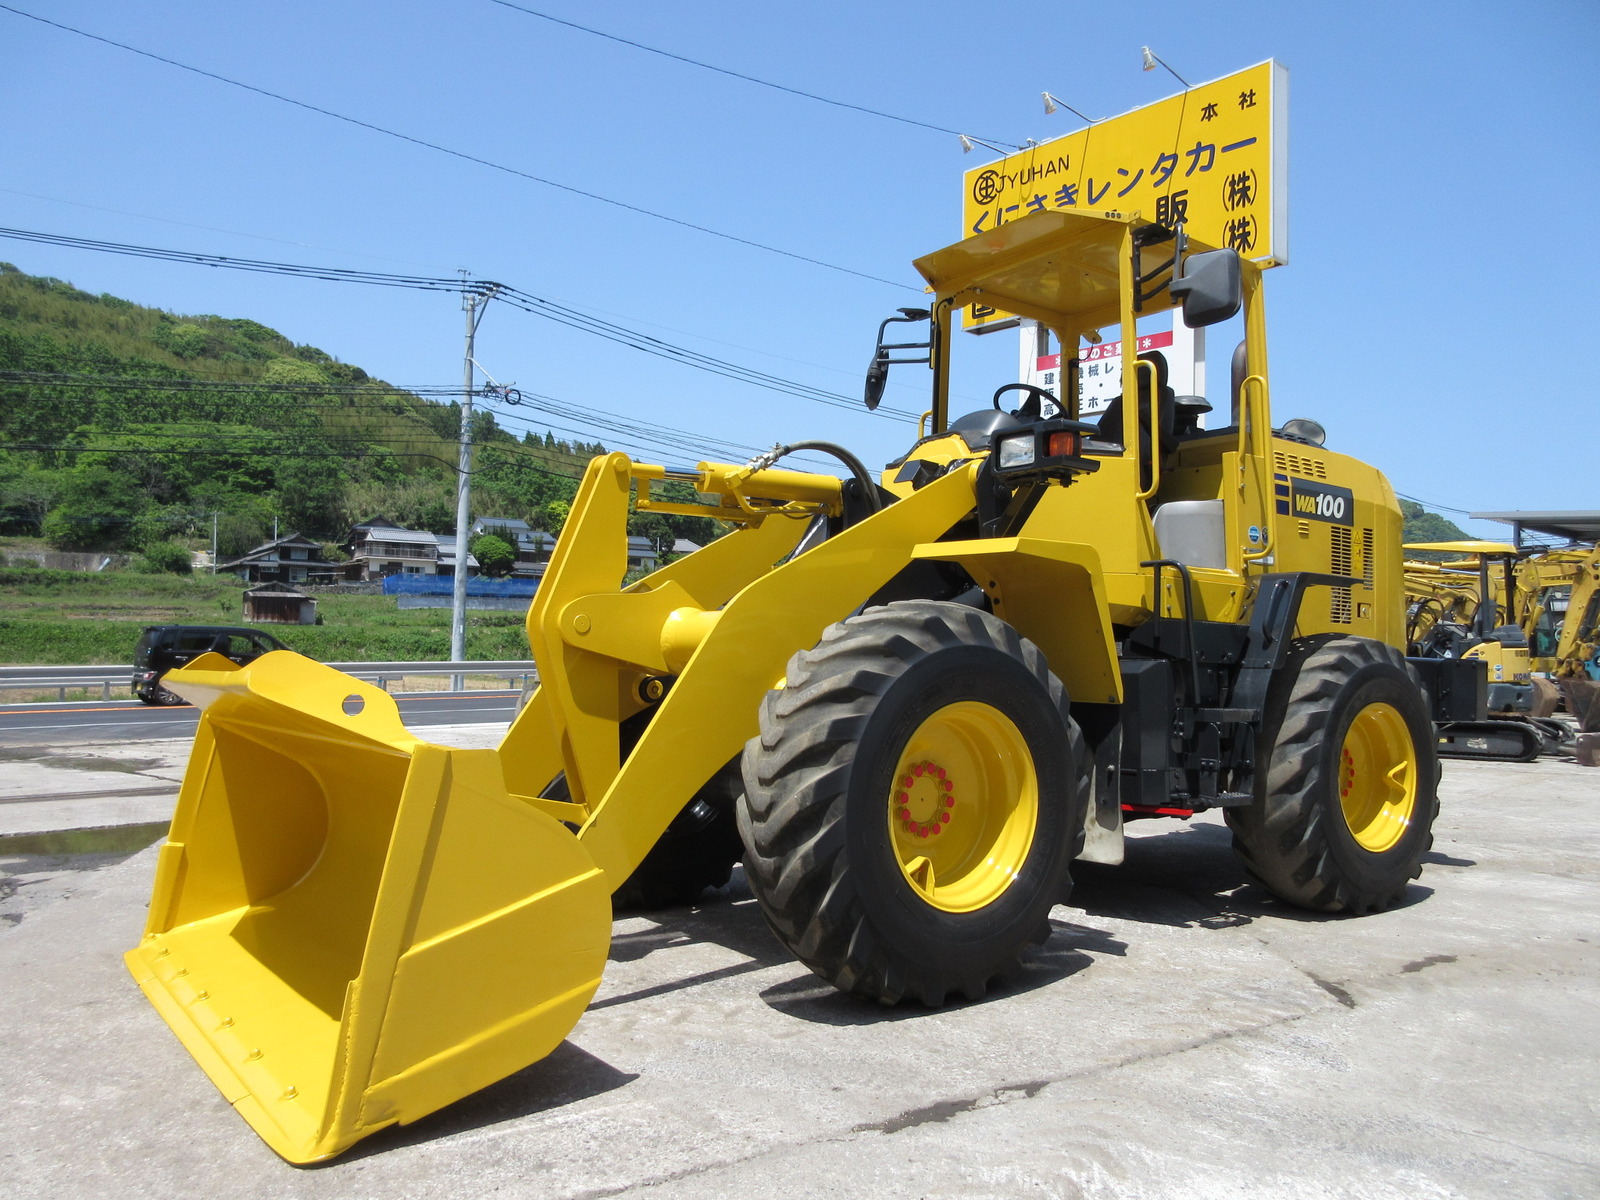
[1214, 157]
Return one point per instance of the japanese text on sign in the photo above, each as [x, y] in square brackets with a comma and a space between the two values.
[1099, 371]
[1213, 158]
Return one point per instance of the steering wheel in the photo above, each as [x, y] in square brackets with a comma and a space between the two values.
[1032, 408]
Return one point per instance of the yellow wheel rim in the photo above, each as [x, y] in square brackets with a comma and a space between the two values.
[963, 806]
[1377, 777]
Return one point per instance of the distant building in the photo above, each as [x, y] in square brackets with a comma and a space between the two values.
[279, 604]
[289, 559]
[379, 548]
[446, 565]
[642, 553]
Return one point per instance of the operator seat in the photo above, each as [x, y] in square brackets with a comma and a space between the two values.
[1111, 421]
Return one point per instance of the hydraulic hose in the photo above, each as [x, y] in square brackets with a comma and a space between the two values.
[869, 489]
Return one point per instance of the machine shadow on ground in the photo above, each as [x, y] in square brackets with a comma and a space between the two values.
[1189, 878]
[565, 1076]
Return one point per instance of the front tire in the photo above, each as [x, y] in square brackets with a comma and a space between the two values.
[1346, 774]
[912, 802]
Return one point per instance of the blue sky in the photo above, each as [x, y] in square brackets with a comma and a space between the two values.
[1438, 315]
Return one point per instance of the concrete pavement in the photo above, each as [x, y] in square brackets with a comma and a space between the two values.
[1181, 1035]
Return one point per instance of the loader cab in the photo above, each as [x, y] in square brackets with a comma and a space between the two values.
[1158, 478]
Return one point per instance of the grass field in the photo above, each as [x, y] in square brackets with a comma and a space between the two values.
[69, 617]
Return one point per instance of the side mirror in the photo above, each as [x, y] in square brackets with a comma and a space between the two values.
[878, 370]
[877, 379]
[1210, 287]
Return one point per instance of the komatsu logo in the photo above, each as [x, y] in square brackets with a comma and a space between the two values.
[1323, 502]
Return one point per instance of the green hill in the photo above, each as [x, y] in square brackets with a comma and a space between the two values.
[122, 427]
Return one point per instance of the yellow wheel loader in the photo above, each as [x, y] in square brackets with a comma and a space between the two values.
[920, 697]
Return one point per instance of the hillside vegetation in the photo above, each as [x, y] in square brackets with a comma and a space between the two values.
[125, 427]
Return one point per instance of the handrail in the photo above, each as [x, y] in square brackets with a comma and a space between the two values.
[1255, 441]
[1138, 426]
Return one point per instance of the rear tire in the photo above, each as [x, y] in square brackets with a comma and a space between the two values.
[1346, 775]
[912, 802]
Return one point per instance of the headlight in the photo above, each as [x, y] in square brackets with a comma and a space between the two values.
[1016, 451]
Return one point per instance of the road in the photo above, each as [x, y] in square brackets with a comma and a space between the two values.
[74, 723]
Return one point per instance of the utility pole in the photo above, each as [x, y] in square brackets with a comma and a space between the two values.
[473, 303]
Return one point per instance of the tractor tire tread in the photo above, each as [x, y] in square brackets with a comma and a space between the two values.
[1285, 838]
[796, 776]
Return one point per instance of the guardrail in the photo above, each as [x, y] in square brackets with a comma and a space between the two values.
[518, 673]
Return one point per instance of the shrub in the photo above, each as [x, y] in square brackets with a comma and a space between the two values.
[166, 558]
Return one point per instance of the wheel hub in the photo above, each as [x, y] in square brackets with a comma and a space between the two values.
[925, 799]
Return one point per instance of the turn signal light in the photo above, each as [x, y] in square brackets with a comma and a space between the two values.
[1061, 442]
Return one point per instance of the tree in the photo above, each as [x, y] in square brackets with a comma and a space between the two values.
[552, 515]
[495, 558]
[97, 510]
[310, 491]
[26, 496]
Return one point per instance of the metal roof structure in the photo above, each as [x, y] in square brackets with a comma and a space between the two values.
[1574, 525]
[393, 534]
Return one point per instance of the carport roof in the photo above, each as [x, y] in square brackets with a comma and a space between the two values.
[1576, 525]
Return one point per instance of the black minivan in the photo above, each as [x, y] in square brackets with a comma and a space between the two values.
[164, 647]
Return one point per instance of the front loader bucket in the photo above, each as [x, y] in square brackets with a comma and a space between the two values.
[351, 927]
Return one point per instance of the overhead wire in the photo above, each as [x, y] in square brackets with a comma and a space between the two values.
[766, 83]
[460, 154]
[514, 297]
[591, 421]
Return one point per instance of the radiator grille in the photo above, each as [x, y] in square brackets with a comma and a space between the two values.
[1311, 468]
[1340, 564]
[1368, 568]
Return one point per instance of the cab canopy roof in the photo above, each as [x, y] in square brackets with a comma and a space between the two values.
[1058, 268]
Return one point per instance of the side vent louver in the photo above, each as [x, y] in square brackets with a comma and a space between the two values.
[1340, 564]
[1311, 468]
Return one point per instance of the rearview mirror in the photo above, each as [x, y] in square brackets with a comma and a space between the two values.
[877, 378]
[878, 370]
[1210, 287]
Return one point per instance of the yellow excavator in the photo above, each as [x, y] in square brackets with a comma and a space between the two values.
[1472, 609]
[1558, 598]
[918, 697]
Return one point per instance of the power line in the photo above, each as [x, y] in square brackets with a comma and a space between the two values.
[257, 237]
[461, 154]
[426, 283]
[213, 451]
[605, 422]
[1431, 505]
[767, 83]
[563, 315]
[515, 297]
